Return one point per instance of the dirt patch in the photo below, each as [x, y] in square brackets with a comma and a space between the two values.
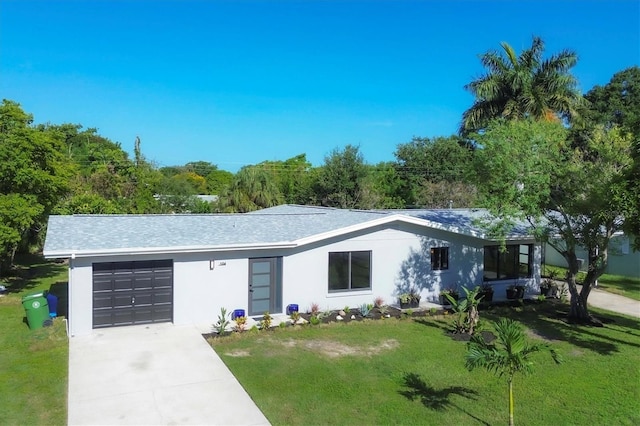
[333, 349]
[238, 353]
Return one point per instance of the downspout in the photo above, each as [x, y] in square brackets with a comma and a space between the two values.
[69, 295]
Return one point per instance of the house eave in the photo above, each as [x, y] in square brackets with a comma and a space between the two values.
[283, 245]
[72, 254]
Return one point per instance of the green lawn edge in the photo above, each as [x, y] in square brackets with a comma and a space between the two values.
[33, 363]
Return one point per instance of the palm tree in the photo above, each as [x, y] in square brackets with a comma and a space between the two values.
[251, 189]
[525, 86]
[508, 356]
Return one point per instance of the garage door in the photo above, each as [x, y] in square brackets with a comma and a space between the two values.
[126, 293]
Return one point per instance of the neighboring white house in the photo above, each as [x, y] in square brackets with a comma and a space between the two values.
[622, 259]
[136, 269]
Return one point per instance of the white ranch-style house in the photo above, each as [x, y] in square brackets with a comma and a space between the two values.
[137, 269]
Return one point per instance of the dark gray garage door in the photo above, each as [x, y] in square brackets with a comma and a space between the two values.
[126, 293]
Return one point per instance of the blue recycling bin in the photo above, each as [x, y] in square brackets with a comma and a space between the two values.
[52, 300]
[292, 308]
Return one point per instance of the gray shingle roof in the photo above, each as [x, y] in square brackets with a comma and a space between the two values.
[277, 226]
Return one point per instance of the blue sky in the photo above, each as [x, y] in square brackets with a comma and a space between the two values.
[239, 82]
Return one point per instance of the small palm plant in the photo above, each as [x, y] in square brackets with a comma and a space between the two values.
[508, 355]
[466, 310]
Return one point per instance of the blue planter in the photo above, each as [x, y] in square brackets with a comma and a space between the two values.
[237, 313]
[292, 308]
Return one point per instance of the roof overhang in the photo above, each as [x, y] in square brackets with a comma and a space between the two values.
[282, 245]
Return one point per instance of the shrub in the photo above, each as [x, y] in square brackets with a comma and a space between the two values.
[241, 323]
[315, 308]
[365, 309]
[265, 322]
[223, 321]
[378, 302]
[295, 317]
[384, 310]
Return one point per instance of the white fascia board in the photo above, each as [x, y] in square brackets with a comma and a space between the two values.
[54, 254]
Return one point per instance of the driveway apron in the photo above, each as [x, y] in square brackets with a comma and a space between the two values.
[160, 374]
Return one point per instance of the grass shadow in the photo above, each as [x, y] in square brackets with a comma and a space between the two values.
[434, 323]
[550, 321]
[29, 270]
[436, 399]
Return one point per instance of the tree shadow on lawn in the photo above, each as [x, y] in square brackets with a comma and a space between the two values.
[28, 270]
[435, 323]
[550, 322]
[436, 399]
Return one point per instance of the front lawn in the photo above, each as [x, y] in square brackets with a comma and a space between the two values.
[624, 286]
[33, 364]
[408, 371]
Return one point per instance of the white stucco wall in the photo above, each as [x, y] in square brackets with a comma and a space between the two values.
[400, 259]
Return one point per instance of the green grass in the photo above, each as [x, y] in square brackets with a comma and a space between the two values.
[33, 363]
[618, 284]
[624, 286]
[410, 372]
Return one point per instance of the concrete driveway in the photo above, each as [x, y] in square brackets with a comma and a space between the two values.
[159, 374]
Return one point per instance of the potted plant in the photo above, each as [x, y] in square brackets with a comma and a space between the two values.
[515, 291]
[485, 292]
[545, 287]
[453, 292]
[410, 299]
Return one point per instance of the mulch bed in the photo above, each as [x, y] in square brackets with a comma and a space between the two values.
[375, 314]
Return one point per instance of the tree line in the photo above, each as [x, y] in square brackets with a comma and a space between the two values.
[531, 146]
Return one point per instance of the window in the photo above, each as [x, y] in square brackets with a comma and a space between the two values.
[350, 270]
[513, 262]
[439, 258]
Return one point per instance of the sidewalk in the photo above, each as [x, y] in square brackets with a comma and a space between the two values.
[613, 302]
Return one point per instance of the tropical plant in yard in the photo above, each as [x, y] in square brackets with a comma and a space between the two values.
[525, 86]
[365, 309]
[295, 317]
[507, 355]
[266, 320]
[223, 321]
[466, 310]
[241, 323]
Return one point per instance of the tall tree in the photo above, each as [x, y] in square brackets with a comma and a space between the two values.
[507, 356]
[290, 176]
[573, 196]
[33, 177]
[251, 189]
[517, 87]
[436, 171]
[618, 104]
[202, 168]
[340, 179]
[382, 187]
